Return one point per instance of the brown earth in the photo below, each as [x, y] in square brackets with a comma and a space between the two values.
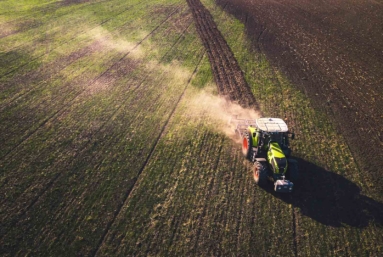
[333, 52]
[227, 73]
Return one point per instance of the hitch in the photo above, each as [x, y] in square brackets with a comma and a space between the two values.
[283, 185]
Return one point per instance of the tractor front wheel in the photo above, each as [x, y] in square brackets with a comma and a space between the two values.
[260, 173]
[247, 146]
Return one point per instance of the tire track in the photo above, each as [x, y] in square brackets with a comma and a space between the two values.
[132, 188]
[28, 135]
[227, 73]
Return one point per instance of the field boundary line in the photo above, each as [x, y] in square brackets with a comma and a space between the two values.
[133, 187]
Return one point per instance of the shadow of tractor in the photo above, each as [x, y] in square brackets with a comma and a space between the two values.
[331, 199]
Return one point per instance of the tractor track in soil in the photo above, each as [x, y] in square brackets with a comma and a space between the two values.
[227, 73]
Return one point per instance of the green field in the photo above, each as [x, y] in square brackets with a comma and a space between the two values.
[114, 142]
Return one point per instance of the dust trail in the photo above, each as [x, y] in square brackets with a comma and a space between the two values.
[218, 111]
[113, 42]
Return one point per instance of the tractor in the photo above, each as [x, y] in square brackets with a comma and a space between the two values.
[265, 143]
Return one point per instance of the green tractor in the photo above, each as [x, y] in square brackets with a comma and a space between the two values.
[265, 142]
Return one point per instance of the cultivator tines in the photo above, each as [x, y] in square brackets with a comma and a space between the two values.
[241, 124]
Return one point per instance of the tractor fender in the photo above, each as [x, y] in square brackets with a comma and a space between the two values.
[255, 139]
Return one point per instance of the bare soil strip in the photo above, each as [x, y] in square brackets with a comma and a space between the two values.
[227, 73]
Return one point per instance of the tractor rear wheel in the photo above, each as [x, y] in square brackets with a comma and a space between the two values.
[260, 173]
[247, 146]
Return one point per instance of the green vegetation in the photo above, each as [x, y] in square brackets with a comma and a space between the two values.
[106, 148]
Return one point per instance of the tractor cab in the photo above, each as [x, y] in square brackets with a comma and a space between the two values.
[270, 131]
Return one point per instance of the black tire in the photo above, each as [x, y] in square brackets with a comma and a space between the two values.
[247, 146]
[292, 171]
[260, 173]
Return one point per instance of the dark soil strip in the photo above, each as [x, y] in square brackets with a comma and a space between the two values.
[227, 73]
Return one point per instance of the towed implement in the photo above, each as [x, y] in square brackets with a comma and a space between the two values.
[265, 142]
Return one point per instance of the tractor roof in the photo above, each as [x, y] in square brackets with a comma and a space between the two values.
[271, 125]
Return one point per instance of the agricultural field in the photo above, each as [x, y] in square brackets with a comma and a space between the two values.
[115, 142]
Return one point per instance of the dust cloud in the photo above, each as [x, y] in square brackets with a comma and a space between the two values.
[220, 112]
[110, 42]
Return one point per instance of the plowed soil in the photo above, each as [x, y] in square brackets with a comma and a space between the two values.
[227, 73]
[333, 52]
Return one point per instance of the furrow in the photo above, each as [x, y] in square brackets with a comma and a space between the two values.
[226, 71]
